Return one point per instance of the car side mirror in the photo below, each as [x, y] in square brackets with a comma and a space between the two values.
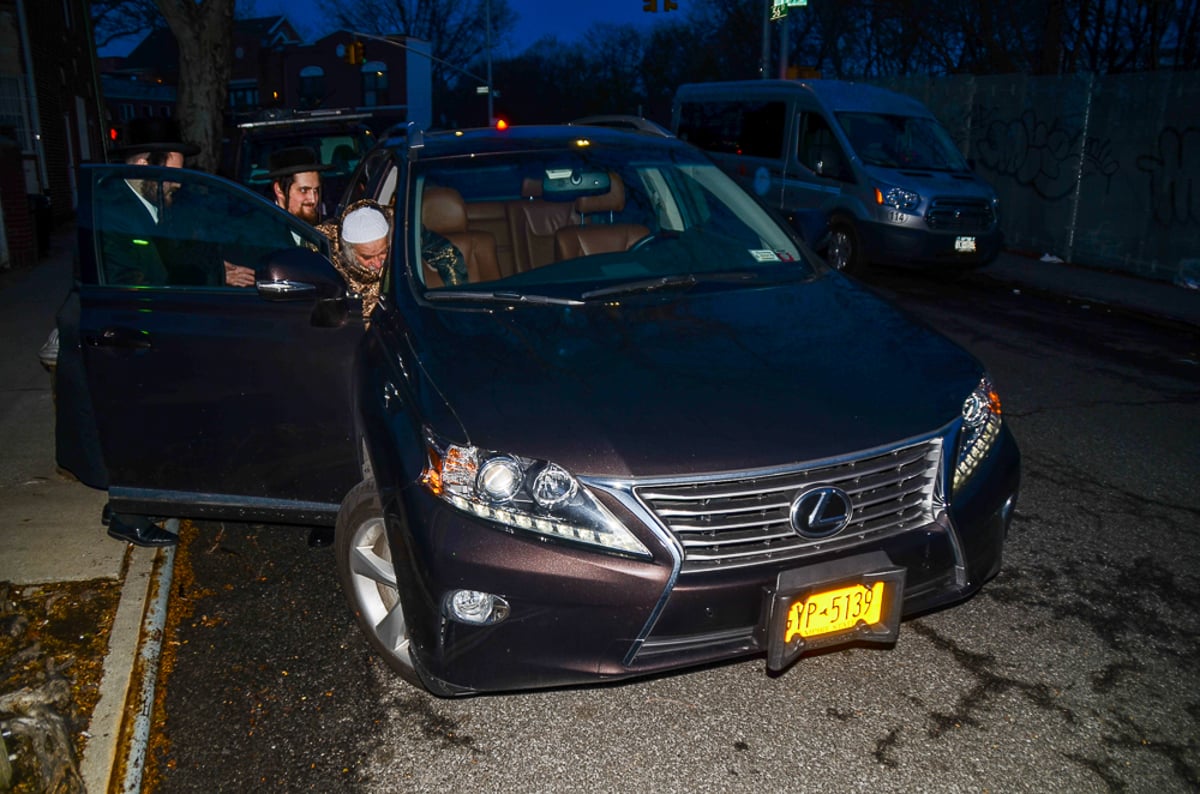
[298, 274]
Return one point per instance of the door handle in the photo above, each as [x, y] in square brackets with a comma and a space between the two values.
[128, 338]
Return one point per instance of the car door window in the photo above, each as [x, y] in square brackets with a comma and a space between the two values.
[173, 228]
[818, 149]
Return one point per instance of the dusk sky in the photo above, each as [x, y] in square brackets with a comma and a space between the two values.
[567, 19]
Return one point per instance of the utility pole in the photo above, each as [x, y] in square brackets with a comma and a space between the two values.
[766, 40]
[491, 116]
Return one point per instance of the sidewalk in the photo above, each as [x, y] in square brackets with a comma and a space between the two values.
[50, 529]
[1156, 299]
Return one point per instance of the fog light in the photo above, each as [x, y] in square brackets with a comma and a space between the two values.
[475, 608]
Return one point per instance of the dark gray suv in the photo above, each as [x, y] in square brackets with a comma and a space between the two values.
[609, 417]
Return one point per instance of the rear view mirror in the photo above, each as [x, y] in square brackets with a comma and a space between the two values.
[570, 182]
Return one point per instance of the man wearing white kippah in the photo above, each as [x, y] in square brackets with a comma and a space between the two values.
[361, 250]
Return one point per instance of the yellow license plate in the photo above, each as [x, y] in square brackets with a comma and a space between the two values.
[834, 610]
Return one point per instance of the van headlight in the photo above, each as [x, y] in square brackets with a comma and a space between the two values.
[980, 427]
[898, 197]
[523, 494]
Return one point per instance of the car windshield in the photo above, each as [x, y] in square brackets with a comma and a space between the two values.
[893, 141]
[590, 223]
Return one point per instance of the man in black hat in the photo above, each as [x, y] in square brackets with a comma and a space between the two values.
[296, 181]
[139, 237]
[131, 213]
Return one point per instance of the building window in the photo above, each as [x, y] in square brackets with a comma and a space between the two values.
[243, 96]
[312, 87]
[374, 84]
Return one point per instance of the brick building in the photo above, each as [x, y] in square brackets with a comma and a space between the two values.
[273, 68]
[50, 118]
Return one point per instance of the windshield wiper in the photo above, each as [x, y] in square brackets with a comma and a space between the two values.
[668, 282]
[503, 297]
[645, 285]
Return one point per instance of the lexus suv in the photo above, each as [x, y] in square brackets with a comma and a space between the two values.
[608, 417]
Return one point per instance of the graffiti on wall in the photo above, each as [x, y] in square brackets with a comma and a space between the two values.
[1043, 156]
[1174, 171]
[1048, 157]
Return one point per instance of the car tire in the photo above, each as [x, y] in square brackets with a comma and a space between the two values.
[844, 252]
[368, 577]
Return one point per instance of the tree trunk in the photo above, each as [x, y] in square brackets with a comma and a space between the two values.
[204, 30]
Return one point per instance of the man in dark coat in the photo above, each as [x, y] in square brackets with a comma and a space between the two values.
[132, 212]
[131, 217]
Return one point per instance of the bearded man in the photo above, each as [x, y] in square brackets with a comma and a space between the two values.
[295, 175]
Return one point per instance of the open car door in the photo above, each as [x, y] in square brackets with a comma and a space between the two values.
[184, 394]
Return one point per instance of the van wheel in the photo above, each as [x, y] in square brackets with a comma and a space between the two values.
[844, 252]
[368, 578]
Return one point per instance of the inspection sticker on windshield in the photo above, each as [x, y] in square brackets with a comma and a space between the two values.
[764, 255]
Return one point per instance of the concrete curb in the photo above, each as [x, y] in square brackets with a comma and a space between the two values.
[117, 740]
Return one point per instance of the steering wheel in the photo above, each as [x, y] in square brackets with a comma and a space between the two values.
[654, 237]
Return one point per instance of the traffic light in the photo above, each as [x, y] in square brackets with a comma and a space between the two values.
[355, 56]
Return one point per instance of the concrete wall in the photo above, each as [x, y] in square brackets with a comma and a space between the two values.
[1097, 170]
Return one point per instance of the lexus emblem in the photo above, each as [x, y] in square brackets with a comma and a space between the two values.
[821, 511]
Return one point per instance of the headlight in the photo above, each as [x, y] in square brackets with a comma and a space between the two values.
[981, 426]
[523, 494]
[897, 197]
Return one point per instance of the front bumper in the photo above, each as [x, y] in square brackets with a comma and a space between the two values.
[579, 616]
[900, 245]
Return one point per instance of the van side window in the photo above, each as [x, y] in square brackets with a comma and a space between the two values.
[753, 129]
[819, 150]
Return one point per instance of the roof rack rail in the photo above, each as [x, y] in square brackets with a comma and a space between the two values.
[279, 116]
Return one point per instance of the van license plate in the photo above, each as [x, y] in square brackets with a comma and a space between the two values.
[964, 245]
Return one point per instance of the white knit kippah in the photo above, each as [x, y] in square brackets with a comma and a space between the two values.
[364, 225]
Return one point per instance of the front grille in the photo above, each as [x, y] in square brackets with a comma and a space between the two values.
[964, 215]
[744, 520]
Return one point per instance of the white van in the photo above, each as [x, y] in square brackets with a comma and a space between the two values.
[866, 174]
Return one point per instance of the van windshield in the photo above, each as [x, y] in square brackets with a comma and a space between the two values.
[893, 141]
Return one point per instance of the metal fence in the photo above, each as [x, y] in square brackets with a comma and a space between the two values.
[1097, 170]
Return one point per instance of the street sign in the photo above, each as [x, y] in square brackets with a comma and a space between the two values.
[779, 8]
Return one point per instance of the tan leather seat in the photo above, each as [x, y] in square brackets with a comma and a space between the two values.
[599, 237]
[534, 223]
[443, 211]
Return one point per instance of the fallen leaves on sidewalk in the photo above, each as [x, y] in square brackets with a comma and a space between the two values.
[53, 640]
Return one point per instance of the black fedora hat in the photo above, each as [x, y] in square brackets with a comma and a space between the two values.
[294, 160]
[153, 134]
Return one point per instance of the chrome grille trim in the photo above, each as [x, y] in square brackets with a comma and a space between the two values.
[742, 518]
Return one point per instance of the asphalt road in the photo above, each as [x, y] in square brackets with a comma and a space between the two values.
[1074, 670]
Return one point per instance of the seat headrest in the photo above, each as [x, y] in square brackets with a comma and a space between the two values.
[531, 188]
[443, 210]
[612, 201]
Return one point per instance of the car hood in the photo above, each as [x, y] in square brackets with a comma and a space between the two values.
[934, 184]
[693, 382]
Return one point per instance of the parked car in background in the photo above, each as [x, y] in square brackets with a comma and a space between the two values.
[609, 417]
[339, 137]
[867, 174]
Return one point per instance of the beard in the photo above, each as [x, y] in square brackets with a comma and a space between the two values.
[153, 190]
[307, 213]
